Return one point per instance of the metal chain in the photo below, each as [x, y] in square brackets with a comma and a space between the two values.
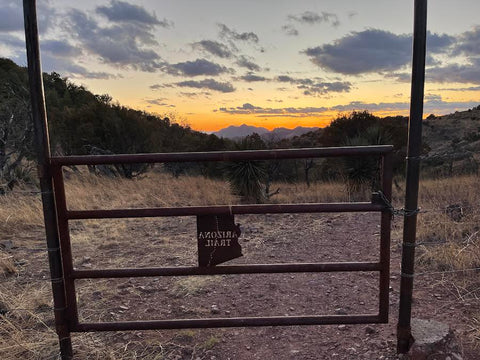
[402, 212]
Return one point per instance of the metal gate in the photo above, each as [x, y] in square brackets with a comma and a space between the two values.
[377, 204]
[57, 215]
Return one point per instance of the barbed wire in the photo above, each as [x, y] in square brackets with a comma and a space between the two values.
[442, 272]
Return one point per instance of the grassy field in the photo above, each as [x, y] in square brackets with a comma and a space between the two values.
[449, 242]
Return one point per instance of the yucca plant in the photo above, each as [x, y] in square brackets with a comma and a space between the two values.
[247, 179]
[361, 172]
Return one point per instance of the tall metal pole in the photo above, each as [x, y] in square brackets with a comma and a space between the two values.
[42, 143]
[404, 334]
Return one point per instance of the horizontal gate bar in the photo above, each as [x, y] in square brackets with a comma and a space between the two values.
[228, 322]
[222, 155]
[228, 270]
[224, 209]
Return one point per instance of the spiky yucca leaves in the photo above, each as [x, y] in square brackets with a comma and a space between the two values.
[247, 179]
[362, 173]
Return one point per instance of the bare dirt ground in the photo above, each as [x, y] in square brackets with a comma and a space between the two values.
[264, 239]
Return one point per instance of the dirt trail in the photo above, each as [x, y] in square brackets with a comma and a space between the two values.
[264, 239]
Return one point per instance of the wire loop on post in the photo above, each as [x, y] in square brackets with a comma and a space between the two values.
[401, 212]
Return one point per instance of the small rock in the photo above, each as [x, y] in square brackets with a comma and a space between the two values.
[248, 347]
[214, 309]
[342, 327]
[430, 338]
[85, 259]
[340, 311]
[7, 244]
[3, 308]
[455, 212]
[370, 330]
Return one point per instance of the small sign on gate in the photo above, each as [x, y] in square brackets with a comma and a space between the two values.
[217, 237]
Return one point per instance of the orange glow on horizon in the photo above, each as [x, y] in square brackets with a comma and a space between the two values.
[214, 122]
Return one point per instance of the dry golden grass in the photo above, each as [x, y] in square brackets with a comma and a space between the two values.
[19, 212]
[27, 330]
[316, 192]
[450, 243]
[85, 191]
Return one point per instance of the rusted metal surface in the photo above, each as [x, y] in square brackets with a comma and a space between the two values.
[65, 245]
[385, 225]
[228, 322]
[223, 155]
[404, 336]
[228, 270]
[42, 144]
[217, 239]
[224, 210]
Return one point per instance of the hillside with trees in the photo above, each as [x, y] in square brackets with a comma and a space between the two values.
[84, 123]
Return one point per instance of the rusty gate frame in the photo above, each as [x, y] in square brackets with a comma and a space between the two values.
[63, 274]
[376, 205]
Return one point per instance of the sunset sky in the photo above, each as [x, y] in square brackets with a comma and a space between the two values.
[270, 63]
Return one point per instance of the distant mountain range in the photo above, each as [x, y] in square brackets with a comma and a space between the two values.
[235, 132]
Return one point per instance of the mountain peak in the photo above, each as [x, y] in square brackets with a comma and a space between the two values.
[235, 132]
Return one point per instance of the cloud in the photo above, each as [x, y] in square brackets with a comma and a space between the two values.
[195, 68]
[195, 94]
[371, 51]
[470, 88]
[285, 78]
[15, 43]
[126, 45]
[252, 78]
[311, 18]
[211, 84]
[244, 62]
[290, 30]
[433, 103]
[322, 88]
[400, 77]
[59, 48]
[226, 32]
[316, 86]
[248, 109]
[11, 15]
[159, 102]
[67, 67]
[439, 43]
[430, 97]
[120, 11]
[156, 87]
[214, 47]
[455, 73]
[468, 43]
[55, 55]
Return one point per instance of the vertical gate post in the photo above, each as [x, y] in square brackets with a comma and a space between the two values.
[42, 144]
[404, 335]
